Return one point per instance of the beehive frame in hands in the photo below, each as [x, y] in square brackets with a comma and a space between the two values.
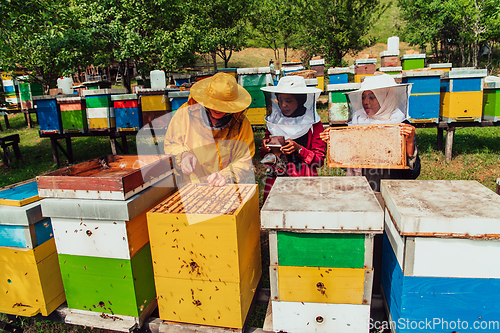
[367, 146]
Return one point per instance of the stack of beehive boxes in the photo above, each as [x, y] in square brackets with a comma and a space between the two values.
[48, 113]
[338, 110]
[252, 79]
[363, 68]
[27, 91]
[318, 65]
[389, 63]
[177, 98]
[441, 67]
[205, 243]
[424, 100]
[462, 94]
[127, 112]
[100, 109]
[321, 234]
[73, 114]
[98, 211]
[412, 61]
[440, 240]
[30, 279]
[491, 101]
[154, 105]
[9, 88]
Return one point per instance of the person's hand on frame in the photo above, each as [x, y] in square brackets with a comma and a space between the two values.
[188, 163]
[216, 179]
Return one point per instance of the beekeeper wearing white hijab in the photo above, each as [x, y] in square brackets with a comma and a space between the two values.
[379, 100]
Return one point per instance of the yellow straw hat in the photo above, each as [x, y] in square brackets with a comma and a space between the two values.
[222, 93]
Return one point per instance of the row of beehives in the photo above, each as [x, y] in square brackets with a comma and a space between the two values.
[106, 109]
[117, 242]
[110, 109]
[452, 96]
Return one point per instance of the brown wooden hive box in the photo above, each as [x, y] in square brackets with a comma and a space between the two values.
[370, 146]
[111, 177]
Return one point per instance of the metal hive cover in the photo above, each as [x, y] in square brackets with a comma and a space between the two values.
[333, 204]
[442, 208]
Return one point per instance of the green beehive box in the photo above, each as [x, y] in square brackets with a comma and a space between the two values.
[412, 61]
[24, 87]
[491, 101]
[107, 285]
[258, 98]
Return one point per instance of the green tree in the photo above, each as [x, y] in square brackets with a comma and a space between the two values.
[149, 34]
[276, 23]
[449, 26]
[334, 28]
[39, 37]
[221, 26]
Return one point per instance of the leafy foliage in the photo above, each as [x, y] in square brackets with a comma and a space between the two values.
[334, 28]
[454, 28]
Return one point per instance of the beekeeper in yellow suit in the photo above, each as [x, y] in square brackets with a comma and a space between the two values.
[210, 137]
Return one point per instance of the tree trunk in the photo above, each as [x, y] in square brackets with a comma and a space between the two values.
[462, 52]
[285, 51]
[214, 60]
[226, 60]
[126, 77]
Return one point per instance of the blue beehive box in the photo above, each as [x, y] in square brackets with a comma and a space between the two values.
[425, 95]
[177, 98]
[48, 113]
[128, 116]
[21, 222]
[440, 250]
[339, 75]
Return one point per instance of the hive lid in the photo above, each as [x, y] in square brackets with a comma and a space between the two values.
[441, 65]
[111, 177]
[421, 73]
[341, 70]
[391, 69]
[387, 53]
[93, 92]
[114, 210]
[332, 204]
[413, 56]
[65, 99]
[317, 62]
[462, 73]
[188, 76]
[177, 94]
[442, 208]
[124, 97]
[343, 87]
[365, 61]
[19, 194]
[25, 215]
[254, 70]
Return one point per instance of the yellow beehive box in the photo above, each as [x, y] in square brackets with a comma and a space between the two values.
[358, 77]
[30, 280]
[256, 116]
[466, 105]
[321, 83]
[205, 245]
[155, 103]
